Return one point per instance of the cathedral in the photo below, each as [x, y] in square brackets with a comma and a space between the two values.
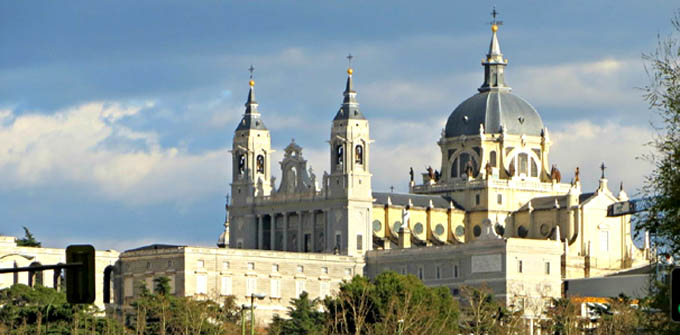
[495, 182]
[496, 213]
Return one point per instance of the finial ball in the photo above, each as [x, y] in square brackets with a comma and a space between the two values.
[494, 28]
[349, 71]
[252, 82]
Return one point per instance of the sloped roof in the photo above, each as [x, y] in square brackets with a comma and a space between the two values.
[156, 247]
[419, 200]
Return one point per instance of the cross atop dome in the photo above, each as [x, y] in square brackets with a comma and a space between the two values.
[349, 64]
[495, 23]
[251, 69]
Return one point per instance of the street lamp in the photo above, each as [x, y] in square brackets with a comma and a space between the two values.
[259, 296]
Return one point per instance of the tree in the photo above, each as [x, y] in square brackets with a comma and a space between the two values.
[564, 317]
[305, 318]
[390, 300]
[43, 310]
[481, 312]
[662, 185]
[28, 240]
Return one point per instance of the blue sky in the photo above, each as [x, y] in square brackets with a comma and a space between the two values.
[116, 117]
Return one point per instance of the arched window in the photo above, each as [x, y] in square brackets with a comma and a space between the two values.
[492, 158]
[260, 164]
[524, 165]
[108, 271]
[462, 163]
[359, 154]
[339, 153]
[454, 168]
[35, 278]
[58, 278]
[241, 163]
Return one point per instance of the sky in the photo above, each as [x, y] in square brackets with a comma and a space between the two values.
[116, 117]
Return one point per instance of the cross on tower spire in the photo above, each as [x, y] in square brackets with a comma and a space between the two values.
[349, 60]
[495, 22]
[602, 167]
[251, 69]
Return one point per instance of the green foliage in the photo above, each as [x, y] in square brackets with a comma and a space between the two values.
[379, 306]
[28, 240]
[26, 310]
[663, 183]
[159, 312]
[304, 318]
[161, 285]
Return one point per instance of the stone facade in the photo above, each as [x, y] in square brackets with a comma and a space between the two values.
[12, 256]
[218, 272]
[519, 271]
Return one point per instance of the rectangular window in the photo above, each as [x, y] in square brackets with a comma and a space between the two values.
[519, 266]
[477, 200]
[523, 164]
[338, 241]
[201, 284]
[403, 270]
[604, 241]
[226, 286]
[169, 264]
[324, 270]
[275, 268]
[251, 285]
[200, 264]
[438, 274]
[128, 288]
[225, 265]
[348, 271]
[324, 289]
[360, 242]
[308, 243]
[420, 273]
[547, 268]
[251, 266]
[499, 199]
[299, 287]
[455, 292]
[455, 271]
[275, 288]
[300, 269]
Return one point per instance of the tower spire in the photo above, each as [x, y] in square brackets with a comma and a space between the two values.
[494, 63]
[350, 106]
[251, 117]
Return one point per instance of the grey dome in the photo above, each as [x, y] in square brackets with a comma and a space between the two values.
[494, 108]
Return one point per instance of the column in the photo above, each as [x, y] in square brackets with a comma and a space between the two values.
[329, 247]
[285, 231]
[301, 239]
[260, 232]
[313, 239]
[272, 229]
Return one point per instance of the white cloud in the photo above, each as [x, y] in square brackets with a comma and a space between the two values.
[587, 145]
[70, 146]
[601, 83]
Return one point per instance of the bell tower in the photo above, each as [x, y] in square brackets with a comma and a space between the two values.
[349, 183]
[251, 154]
[350, 148]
